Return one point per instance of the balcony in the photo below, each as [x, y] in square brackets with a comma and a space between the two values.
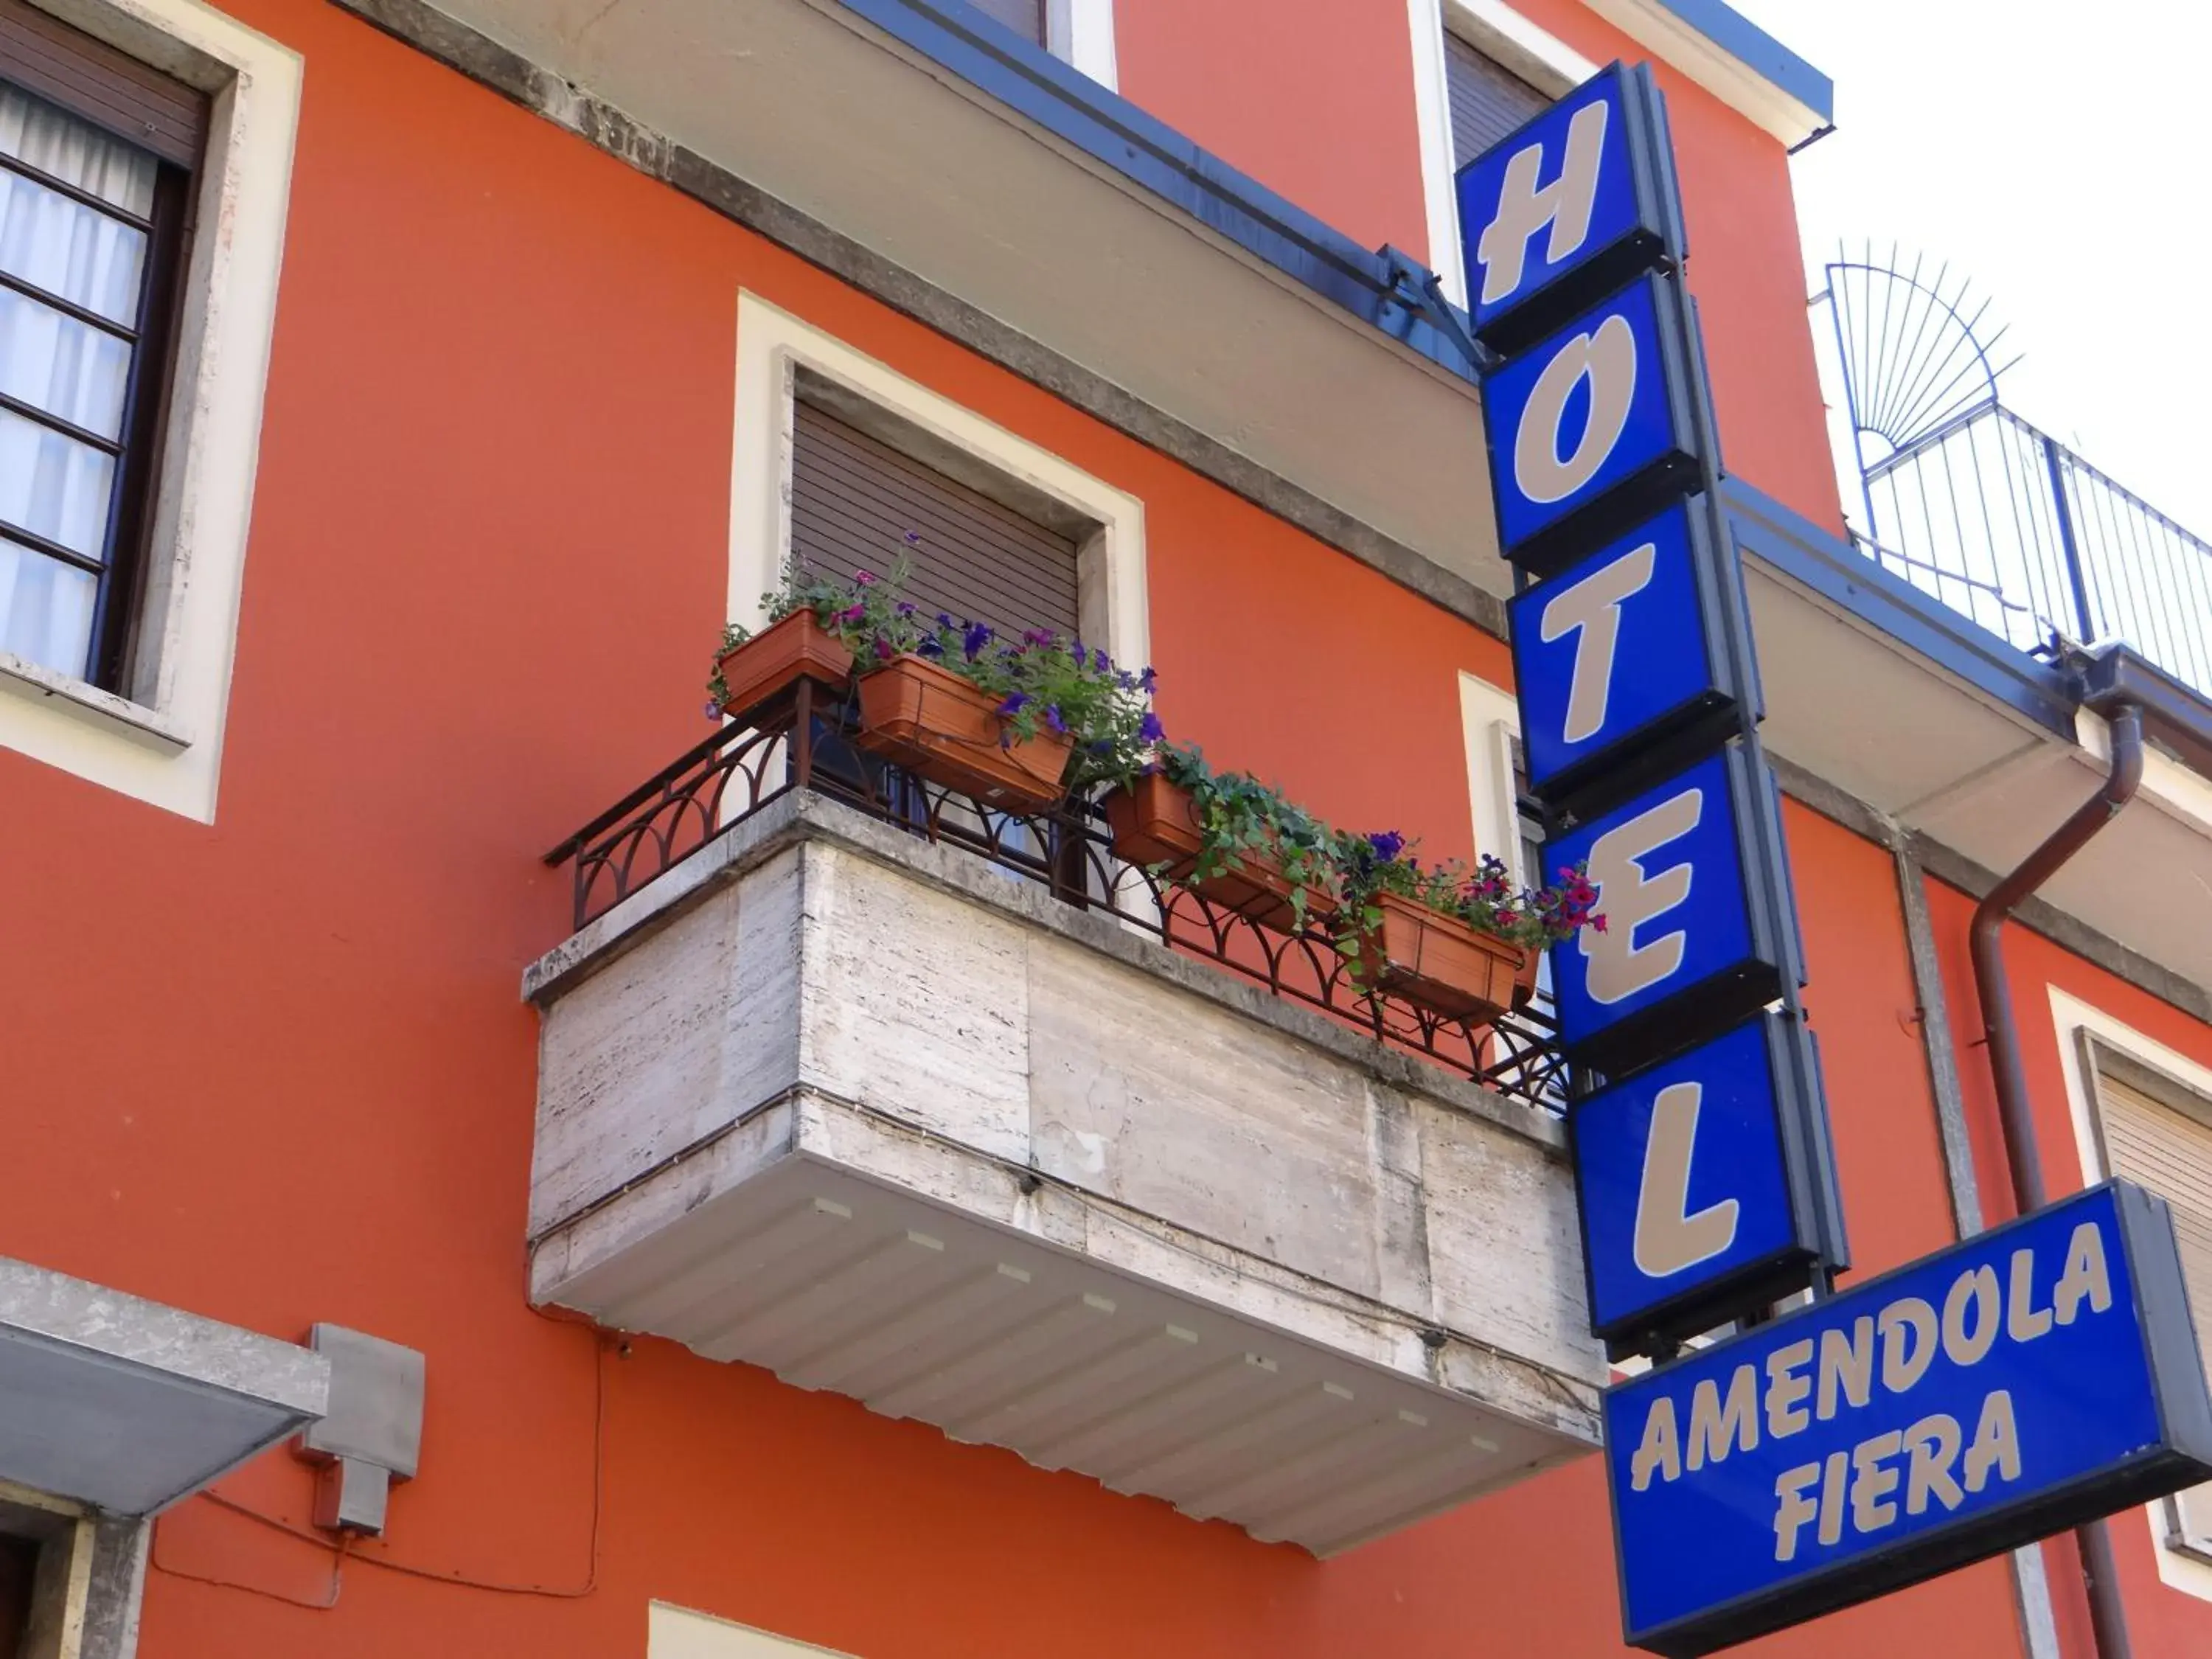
[944, 1110]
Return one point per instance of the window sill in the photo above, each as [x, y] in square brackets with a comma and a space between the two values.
[101, 709]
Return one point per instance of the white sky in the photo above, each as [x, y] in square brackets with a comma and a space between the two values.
[2058, 152]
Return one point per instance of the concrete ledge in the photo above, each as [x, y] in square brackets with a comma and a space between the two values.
[803, 816]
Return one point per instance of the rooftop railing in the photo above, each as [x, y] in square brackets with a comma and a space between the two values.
[2004, 523]
[1982, 510]
[802, 741]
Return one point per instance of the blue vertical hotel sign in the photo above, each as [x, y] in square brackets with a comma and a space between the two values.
[1639, 703]
[2012, 1385]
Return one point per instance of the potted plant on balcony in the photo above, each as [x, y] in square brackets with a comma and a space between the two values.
[1462, 943]
[799, 642]
[1236, 841]
[1015, 724]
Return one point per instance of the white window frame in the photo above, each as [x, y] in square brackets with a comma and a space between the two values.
[1080, 34]
[774, 346]
[2073, 1019]
[160, 740]
[1495, 29]
[1489, 721]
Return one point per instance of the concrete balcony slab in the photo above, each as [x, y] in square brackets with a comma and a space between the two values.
[876, 1116]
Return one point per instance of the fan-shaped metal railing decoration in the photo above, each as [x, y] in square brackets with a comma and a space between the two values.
[1913, 361]
[1986, 513]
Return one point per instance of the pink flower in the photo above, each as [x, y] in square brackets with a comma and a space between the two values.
[865, 578]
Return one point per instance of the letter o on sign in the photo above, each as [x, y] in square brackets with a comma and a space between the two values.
[1607, 359]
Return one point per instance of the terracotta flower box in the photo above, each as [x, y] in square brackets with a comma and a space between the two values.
[948, 730]
[1443, 963]
[1156, 823]
[776, 658]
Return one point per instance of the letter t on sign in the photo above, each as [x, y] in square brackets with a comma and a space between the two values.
[1591, 610]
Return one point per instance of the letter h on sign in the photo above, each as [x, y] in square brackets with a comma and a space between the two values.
[1570, 207]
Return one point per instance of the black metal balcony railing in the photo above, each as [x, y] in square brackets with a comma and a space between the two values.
[802, 741]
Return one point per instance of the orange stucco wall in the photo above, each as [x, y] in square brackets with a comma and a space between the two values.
[280, 1073]
[1313, 98]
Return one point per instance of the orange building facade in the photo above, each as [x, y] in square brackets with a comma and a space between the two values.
[490, 343]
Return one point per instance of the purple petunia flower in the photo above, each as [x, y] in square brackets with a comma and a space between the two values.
[906, 607]
[975, 640]
[914, 538]
[1015, 702]
[1148, 730]
[1105, 662]
[1387, 844]
[713, 710]
[1052, 718]
[1146, 680]
[883, 651]
[852, 613]
[929, 648]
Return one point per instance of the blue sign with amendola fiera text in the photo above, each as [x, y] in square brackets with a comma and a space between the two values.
[2015, 1385]
[2010, 1386]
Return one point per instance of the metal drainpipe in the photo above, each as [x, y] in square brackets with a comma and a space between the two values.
[2107, 1619]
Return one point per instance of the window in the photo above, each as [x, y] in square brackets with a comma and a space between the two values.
[1487, 101]
[93, 227]
[1026, 17]
[856, 501]
[1079, 32]
[837, 457]
[2159, 1135]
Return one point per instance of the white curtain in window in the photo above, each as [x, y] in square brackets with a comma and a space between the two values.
[51, 483]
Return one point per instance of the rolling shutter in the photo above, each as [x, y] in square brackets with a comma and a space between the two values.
[93, 80]
[1487, 101]
[1024, 17]
[855, 499]
[2170, 1152]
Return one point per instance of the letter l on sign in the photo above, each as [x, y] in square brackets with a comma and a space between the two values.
[1669, 1238]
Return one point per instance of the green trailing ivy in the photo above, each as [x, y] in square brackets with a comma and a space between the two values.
[1240, 818]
